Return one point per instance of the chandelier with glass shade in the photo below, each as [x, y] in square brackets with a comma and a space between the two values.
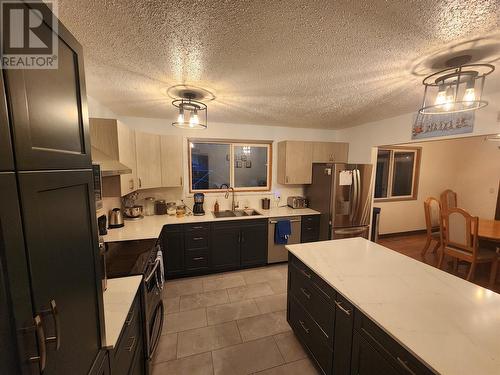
[456, 89]
[192, 113]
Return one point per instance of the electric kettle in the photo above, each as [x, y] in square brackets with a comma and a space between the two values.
[115, 218]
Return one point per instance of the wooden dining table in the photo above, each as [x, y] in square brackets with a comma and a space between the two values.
[489, 230]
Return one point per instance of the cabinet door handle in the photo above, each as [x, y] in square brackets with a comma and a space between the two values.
[242, 237]
[197, 238]
[286, 179]
[404, 364]
[344, 310]
[306, 274]
[40, 337]
[140, 183]
[129, 349]
[304, 292]
[181, 180]
[199, 258]
[56, 339]
[307, 330]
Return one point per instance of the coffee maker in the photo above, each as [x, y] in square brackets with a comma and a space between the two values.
[198, 210]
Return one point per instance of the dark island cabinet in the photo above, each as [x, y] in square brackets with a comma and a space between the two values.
[339, 338]
[201, 248]
[48, 107]
[101, 364]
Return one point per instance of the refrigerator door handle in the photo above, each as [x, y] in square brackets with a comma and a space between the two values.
[354, 200]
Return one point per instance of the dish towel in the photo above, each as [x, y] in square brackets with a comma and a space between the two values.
[159, 256]
[282, 232]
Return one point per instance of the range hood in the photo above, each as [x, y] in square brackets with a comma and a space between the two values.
[109, 166]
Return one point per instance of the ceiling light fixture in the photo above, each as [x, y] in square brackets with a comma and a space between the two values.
[455, 89]
[190, 111]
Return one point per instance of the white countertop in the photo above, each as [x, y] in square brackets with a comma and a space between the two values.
[118, 299]
[449, 323]
[150, 226]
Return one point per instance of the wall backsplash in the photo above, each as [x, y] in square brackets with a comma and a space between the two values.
[177, 194]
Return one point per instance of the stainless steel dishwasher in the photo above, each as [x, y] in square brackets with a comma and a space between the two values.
[278, 253]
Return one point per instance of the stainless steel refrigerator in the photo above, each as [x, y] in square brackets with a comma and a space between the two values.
[343, 195]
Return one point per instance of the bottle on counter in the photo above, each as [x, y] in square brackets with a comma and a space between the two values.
[149, 206]
[216, 206]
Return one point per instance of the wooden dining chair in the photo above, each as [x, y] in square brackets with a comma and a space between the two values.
[432, 212]
[448, 200]
[460, 241]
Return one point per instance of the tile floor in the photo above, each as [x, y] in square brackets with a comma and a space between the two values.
[229, 324]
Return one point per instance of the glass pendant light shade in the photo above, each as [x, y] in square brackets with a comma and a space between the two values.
[456, 89]
[192, 114]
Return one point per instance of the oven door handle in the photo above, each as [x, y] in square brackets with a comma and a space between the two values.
[160, 329]
[148, 278]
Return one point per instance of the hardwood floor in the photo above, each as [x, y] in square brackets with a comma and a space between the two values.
[411, 245]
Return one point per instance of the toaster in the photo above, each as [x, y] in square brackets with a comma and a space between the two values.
[297, 202]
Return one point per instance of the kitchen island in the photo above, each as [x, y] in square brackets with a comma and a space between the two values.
[361, 308]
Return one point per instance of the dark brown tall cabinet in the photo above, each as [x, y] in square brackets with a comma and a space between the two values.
[49, 262]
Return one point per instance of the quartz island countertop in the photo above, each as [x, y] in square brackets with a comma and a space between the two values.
[118, 299]
[151, 226]
[448, 323]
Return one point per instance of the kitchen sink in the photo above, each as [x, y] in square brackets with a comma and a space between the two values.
[236, 213]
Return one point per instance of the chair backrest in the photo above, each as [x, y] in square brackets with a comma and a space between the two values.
[448, 199]
[432, 210]
[461, 230]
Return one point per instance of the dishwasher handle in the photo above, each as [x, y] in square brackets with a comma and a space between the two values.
[291, 221]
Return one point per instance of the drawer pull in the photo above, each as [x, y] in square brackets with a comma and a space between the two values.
[199, 227]
[404, 364]
[198, 238]
[129, 349]
[309, 228]
[304, 292]
[304, 326]
[199, 258]
[339, 305]
[306, 274]
[130, 318]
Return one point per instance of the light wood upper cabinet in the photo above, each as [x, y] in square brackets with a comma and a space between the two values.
[295, 159]
[117, 141]
[126, 146]
[148, 154]
[325, 152]
[295, 162]
[171, 161]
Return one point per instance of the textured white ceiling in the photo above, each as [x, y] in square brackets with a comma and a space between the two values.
[321, 64]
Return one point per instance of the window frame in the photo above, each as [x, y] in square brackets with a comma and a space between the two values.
[417, 151]
[232, 143]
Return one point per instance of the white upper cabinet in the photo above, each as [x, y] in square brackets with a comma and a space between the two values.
[171, 161]
[148, 154]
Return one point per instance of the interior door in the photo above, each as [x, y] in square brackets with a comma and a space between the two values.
[61, 239]
[6, 157]
[17, 333]
[48, 110]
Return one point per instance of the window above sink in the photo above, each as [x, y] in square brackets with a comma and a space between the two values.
[220, 164]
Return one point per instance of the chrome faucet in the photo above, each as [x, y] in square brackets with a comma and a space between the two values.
[233, 203]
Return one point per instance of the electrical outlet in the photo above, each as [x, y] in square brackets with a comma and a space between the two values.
[277, 195]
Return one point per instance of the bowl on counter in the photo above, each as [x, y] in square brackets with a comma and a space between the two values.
[135, 211]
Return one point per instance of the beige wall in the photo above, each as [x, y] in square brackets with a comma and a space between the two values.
[469, 166]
